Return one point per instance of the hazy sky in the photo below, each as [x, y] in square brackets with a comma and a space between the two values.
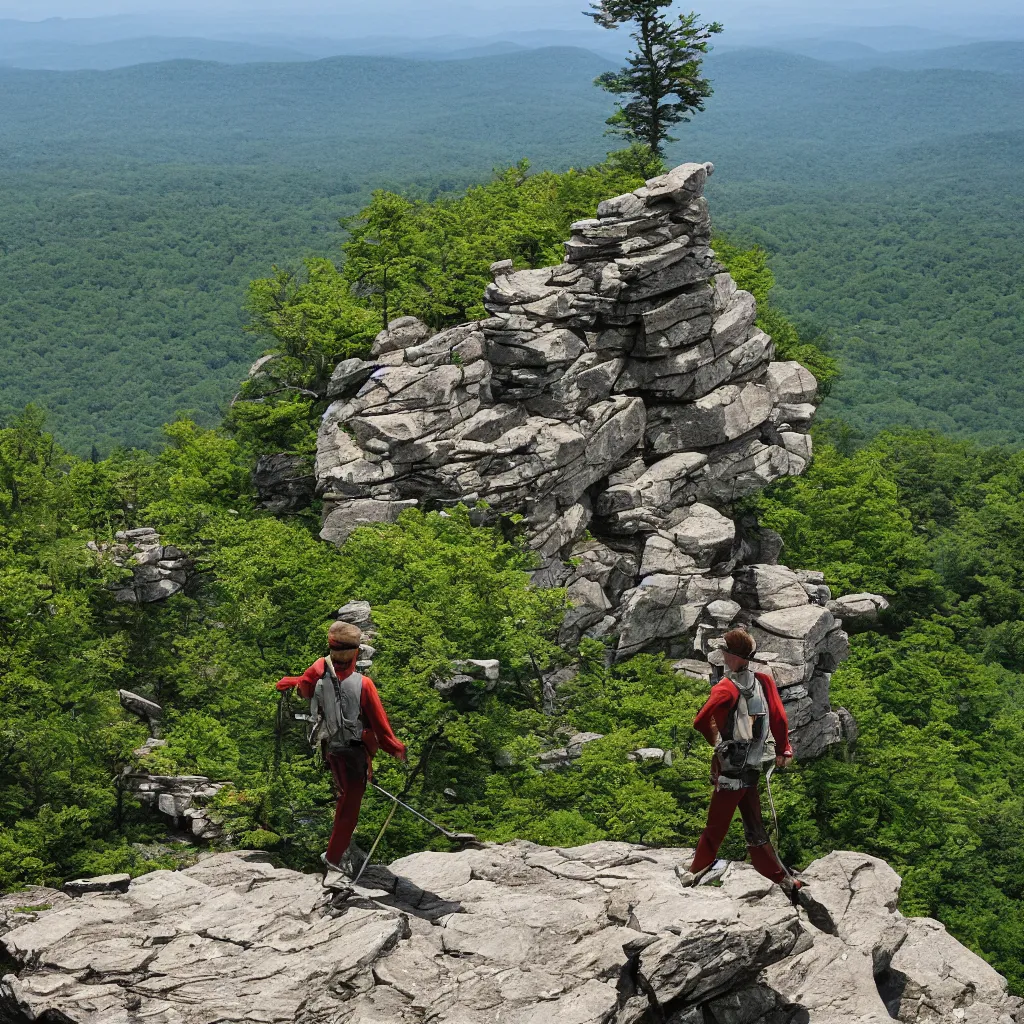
[484, 16]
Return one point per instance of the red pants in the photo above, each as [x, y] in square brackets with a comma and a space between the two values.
[723, 806]
[350, 773]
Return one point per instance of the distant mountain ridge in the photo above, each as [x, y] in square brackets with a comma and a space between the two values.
[997, 57]
[47, 56]
[245, 112]
[69, 44]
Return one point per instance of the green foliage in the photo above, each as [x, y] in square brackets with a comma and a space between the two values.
[931, 783]
[432, 259]
[750, 270]
[845, 517]
[935, 523]
[925, 320]
[131, 230]
[666, 63]
[312, 322]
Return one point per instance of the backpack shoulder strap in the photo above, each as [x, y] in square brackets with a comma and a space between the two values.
[730, 721]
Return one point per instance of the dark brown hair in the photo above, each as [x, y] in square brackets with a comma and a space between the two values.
[740, 643]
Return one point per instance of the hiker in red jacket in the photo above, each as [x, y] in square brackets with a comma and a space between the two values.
[351, 758]
[745, 722]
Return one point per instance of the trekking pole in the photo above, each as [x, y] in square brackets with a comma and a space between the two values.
[771, 801]
[409, 779]
[376, 843]
[457, 837]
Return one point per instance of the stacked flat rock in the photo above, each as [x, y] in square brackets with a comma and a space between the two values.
[622, 402]
[154, 571]
[516, 934]
[359, 613]
[182, 799]
[284, 483]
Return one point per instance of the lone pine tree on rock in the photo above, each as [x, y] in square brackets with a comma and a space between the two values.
[662, 75]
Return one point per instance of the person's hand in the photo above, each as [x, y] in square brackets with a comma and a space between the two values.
[783, 762]
[283, 685]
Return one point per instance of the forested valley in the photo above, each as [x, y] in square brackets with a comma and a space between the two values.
[137, 204]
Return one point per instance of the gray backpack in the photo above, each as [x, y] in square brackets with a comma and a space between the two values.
[335, 711]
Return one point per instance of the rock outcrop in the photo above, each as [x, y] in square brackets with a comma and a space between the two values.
[143, 708]
[153, 571]
[518, 934]
[182, 799]
[621, 402]
[284, 483]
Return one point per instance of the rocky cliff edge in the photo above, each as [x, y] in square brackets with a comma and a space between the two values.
[515, 934]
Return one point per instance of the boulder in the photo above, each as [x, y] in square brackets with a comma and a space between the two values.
[702, 532]
[358, 613]
[400, 334]
[587, 605]
[564, 756]
[151, 571]
[349, 376]
[725, 414]
[285, 483]
[488, 669]
[769, 588]
[807, 623]
[340, 519]
[651, 755]
[99, 883]
[656, 610]
[148, 710]
[858, 609]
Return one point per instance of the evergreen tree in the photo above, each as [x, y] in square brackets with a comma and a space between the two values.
[665, 64]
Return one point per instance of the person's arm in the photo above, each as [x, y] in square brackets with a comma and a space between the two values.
[306, 683]
[715, 711]
[378, 722]
[778, 722]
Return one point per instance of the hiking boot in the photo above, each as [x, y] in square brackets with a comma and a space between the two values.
[688, 879]
[328, 866]
[817, 913]
[715, 872]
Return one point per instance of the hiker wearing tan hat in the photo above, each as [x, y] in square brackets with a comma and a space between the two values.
[745, 722]
[349, 726]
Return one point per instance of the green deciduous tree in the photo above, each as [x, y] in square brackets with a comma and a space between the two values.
[750, 270]
[312, 320]
[663, 74]
[383, 256]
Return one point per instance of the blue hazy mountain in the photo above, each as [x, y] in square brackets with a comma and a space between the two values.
[997, 57]
[56, 56]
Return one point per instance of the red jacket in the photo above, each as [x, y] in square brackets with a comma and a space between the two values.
[377, 733]
[724, 695]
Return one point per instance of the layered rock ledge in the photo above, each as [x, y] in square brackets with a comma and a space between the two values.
[622, 403]
[516, 934]
[153, 571]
